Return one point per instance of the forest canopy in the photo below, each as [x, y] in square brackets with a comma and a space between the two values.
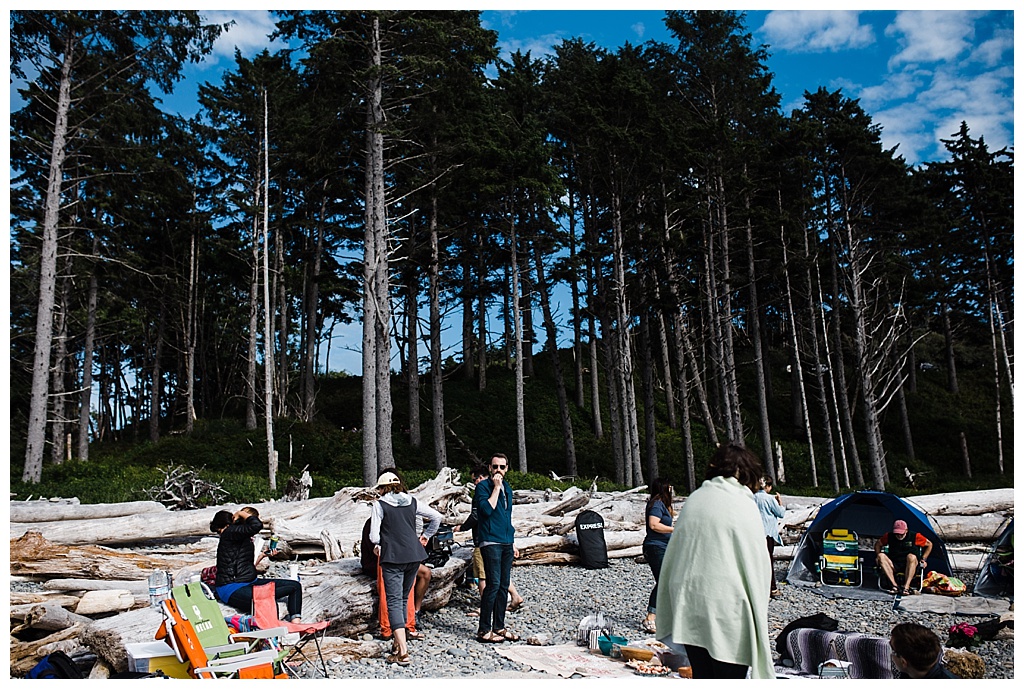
[699, 266]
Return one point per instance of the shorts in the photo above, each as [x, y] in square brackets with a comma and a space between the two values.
[478, 565]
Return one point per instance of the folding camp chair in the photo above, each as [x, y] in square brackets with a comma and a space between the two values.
[184, 641]
[197, 605]
[840, 556]
[264, 609]
[899, 574]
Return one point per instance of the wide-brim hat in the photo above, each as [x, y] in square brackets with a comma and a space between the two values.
[388, 479]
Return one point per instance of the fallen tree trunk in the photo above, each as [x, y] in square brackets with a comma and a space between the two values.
[147, 527]
[25, 654]
[46, 617]
[39, 511]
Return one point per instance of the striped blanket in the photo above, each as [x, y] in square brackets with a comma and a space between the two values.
[869, 655]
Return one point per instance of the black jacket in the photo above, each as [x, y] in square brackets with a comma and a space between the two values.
[236, 553]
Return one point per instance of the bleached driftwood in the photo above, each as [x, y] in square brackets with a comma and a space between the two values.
[27, 598]
[25, 654]
[151, 526]
[114, 600]
[45, 617]
[40, 511]
[973, 502]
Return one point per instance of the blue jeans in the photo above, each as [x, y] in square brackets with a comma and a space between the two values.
[655, 555]
[498, 568]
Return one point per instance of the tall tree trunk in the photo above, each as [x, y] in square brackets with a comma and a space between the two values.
[682, 386]
[998, 385]
[556, 363]
[468, 322]
[482, 311]
[947, 333]
[36, 437]
[254, 328]
[518, 337]
[759, 364]
[869, 407]
[60, 366]
[190, 346]
[526, 313]
[312, 321]
[908, 437]
[577, 316]
[85, 406]
[837, 367]
[714, 306]
[156, 378]
[797, 359]
[374, 220]
[650, 425]
[506, 313]
[268, 313]
[596, 421]
[281, 308]
[701, 390]
[666, 371]
[725, 313]
[412, 359]
[436, 364]
[630, 427]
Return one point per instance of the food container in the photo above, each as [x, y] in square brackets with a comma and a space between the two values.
[605, 643]
[635, 653]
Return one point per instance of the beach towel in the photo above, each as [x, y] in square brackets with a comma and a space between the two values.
[869, 656]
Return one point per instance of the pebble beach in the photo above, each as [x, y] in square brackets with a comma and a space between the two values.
[557, 597]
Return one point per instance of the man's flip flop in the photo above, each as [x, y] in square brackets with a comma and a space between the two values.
[490, 638]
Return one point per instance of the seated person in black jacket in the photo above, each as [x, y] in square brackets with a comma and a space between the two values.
[236, 564]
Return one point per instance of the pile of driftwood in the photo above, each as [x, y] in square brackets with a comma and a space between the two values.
[93, 561]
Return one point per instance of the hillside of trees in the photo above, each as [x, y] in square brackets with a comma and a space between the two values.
[730, 271]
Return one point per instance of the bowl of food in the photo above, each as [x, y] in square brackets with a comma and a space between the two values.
[605, 642]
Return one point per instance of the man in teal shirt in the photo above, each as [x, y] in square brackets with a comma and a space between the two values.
[492, 502]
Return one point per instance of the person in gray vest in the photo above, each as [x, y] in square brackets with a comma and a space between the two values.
[393, 521]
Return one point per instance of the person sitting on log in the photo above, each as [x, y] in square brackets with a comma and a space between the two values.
[236, 564]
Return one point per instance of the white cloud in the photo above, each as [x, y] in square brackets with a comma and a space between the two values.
[991, 51]
[930, 35]
[537, 46]
[249, 34]
[639, 29]
[897, 86]
[816, 31]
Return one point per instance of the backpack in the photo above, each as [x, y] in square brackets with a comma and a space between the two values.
[56, 665]
[590, 536]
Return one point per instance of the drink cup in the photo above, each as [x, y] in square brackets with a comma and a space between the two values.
[293, 572]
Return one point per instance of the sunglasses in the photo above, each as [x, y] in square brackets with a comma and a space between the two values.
[498, 466]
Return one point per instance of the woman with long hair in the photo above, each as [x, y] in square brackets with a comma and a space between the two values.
[658, 517]
[713, 594]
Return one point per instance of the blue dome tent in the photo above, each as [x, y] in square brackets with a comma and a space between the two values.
[996, 576]
[871, 514]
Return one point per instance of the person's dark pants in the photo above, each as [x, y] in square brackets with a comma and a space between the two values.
[398, 582]
[283, 588]
[498, 568]
[655, 555]
[706, 667]
[771, 560]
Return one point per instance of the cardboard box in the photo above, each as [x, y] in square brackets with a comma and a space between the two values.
[150, 656]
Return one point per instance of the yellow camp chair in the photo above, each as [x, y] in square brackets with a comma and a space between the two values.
[840, 559]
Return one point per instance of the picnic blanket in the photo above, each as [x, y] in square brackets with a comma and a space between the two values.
[869, 656]
[565, 660]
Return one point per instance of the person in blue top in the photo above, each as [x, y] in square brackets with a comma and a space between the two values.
[770, 506]
[658, 515]
[236, 563]
[492, 502]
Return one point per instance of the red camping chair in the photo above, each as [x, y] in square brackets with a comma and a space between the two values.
[182, 638]
[264, 609]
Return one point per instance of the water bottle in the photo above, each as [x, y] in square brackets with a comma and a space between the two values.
[159, 587]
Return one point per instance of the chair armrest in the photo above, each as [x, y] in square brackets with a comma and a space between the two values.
[213, 651]
[254, 658]
[260, 633]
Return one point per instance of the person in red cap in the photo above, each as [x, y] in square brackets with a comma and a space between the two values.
[907, 550]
